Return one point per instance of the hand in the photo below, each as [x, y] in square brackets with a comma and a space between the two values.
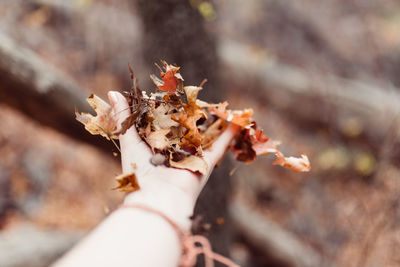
[173, 191]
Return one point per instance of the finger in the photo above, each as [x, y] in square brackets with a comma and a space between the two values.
[218, 148]
[133, 149]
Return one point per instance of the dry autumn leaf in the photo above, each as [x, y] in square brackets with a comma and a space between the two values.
[178, 126]
[157, 140]
[213, 132]
[192, 163]
[170, 78]
[127, 182]
[301, 164]
[103, 123]
[162, 117]
[242, 118]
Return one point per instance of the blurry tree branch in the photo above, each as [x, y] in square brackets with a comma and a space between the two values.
[313, 96]
[271, 238]
[39, 91]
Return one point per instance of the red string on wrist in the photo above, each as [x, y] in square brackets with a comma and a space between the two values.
[189, 243]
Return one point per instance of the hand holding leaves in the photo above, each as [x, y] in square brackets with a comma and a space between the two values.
[173, 128]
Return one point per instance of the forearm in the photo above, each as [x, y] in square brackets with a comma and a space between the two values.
[131, 236]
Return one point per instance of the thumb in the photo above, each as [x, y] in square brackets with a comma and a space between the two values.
[218, 148]
[133, 149]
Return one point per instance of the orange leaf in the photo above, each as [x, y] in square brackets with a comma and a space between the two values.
[188, 120]
[170, 77]
[127, 182]
[242, 118]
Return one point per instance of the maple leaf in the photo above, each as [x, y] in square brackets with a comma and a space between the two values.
[170, 78]
[103, 123]
[127, 182]
[192, 163]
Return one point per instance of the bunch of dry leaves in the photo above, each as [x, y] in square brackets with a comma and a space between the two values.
[178, 127]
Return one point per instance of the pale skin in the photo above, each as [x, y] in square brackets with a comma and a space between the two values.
[135, 237]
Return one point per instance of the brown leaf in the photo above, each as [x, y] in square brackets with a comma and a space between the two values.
[128, 122]
[192, 163]
[243, 147]
[137, 105]
[157, 140]
[103, 123]
[127, 182]
[213, 132]
[188, 118]
[301, 164]
[162, 117]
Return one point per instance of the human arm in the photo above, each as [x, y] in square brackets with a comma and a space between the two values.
[136, 237]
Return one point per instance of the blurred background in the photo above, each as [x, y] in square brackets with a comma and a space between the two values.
[322, 76]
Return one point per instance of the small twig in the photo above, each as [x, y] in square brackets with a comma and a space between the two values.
[115, 144]
[203, 82]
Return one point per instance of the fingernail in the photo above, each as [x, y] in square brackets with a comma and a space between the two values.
[112, 96]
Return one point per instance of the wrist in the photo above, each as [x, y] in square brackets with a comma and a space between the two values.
[172, 202]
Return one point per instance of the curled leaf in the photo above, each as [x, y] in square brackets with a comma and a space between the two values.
[242, 118]
[192, 163]
[251, 143]
[301, 164]
[191, 94]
